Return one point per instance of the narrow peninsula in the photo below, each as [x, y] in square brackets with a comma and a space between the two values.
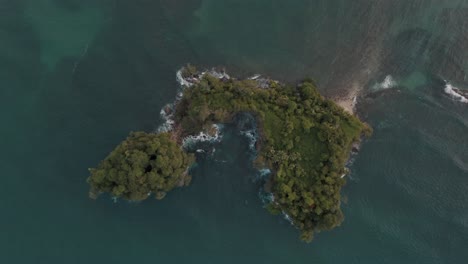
[304, 139]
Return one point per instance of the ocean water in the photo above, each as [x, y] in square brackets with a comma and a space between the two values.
[77, 76]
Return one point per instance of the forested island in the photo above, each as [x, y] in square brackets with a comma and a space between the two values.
[305, 140]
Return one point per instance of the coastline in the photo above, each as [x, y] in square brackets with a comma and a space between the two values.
[348, 102]
[282, 114]
[188, 78]
[296, 136]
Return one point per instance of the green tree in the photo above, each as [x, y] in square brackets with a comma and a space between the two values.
[304, 140]
[142, 164]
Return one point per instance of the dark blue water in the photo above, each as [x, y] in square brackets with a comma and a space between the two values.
[77, 76]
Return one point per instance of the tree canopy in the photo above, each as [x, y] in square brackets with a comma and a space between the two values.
[141, 165]
[305, 139]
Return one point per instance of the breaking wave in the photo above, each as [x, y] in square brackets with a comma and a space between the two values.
[168, 124]
[388, 83]
[168, 110]
[190, 141]
[455, 93]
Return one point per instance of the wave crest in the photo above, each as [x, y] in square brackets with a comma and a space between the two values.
[455, 93]
[388, 83]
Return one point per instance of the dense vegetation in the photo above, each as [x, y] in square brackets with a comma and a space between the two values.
[142, 164]
[305, 139]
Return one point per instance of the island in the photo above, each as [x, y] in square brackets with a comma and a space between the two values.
[304, 140]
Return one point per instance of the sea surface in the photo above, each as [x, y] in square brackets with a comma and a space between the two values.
[76, 76]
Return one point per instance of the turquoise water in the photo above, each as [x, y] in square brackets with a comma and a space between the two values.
[77, 76]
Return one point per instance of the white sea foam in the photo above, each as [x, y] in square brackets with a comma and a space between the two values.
[252, 136]
[203, 137]
[190, 81]
[288, 218]
[219, 75]
[264, 172]
[262, 175]
[388, 83]
[181, 80]
[255, 77]
[168, 124]
[452, 91]
[184, 83]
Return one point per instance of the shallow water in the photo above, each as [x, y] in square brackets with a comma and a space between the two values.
[77, 76]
